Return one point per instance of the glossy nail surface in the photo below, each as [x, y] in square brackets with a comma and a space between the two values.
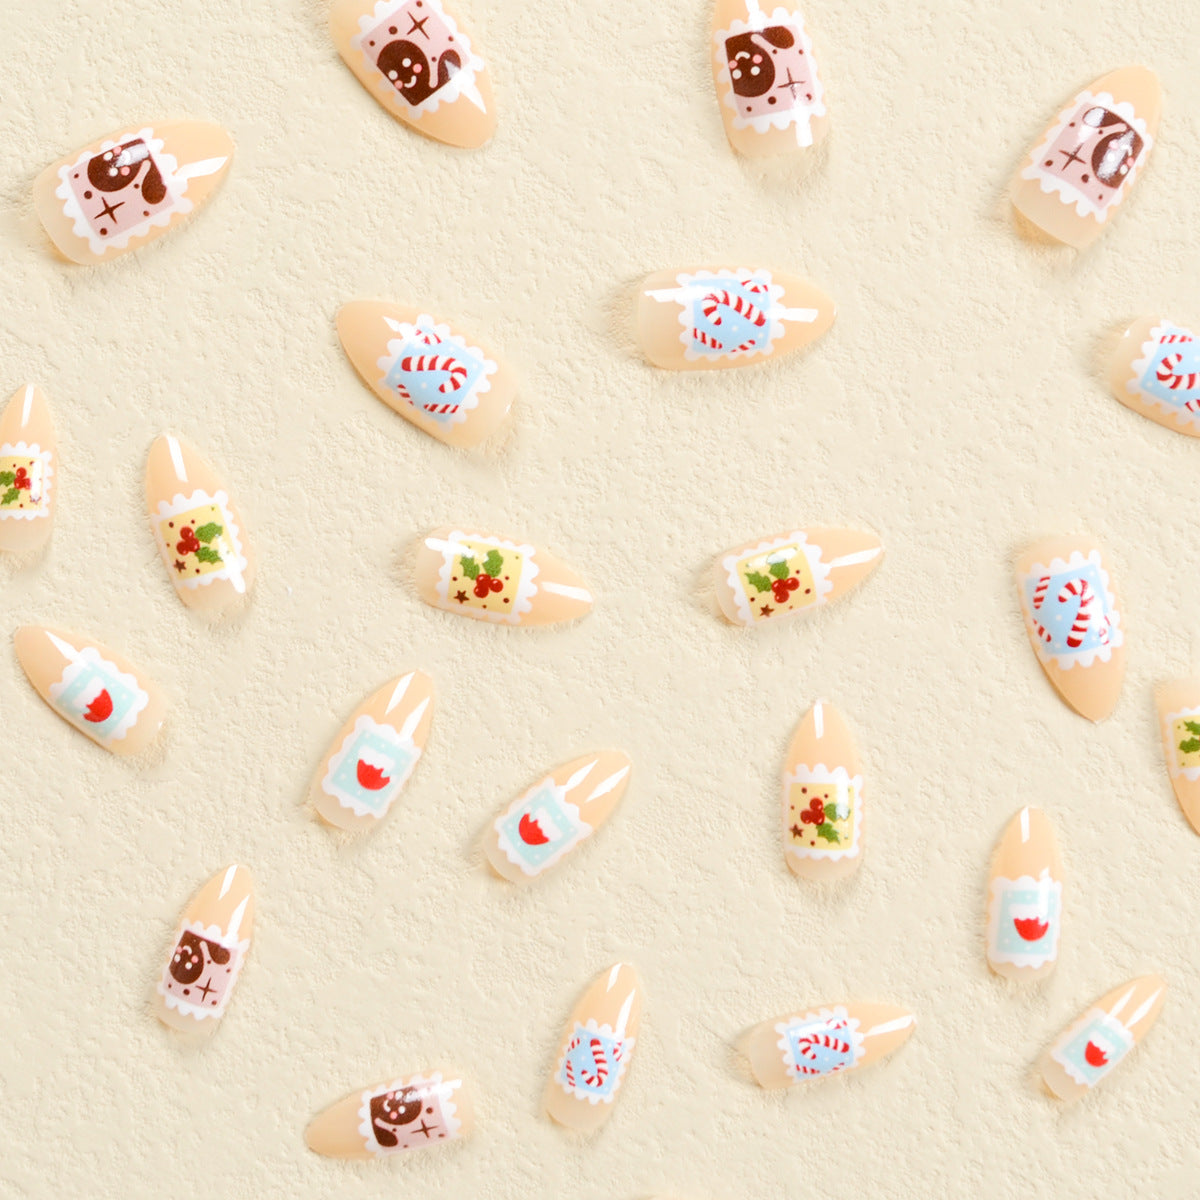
[1156, 372]
[420, 64]
[436, 378]
[28, 462]
[594, 1053]
[549, 820]
[127, 189]
[1025, 899]
[1085, 1053]
[768, 86]
[375, 753]
[199, 531]
[93, 688]
[813, 1043]
[207, 953]
[410, 1113]
[495, 579]
[1074, 622]
[710, 318]
[823, 798]
[1081, 168]
[1179, 720]
[793, 572]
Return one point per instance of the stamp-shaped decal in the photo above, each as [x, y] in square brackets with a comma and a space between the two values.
[593, 1063]
[25, 475]
[199, 976]
[1093, 1047]
[372, 766]
[777, 577]
[98, 698]
[823, 1043]
[1024, 920]
[200, 541]
[1168, 372]
[1071, 611]
[1183, 736]
[492, 577]
[824, 812]
[408, 1114]
[540, 827]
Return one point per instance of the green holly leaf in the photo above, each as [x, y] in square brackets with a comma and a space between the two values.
[470, 568]
[1190, 726]
[755, 580]
[7, 478]
[208, 554]
[836, 811]
[1189, 745]
[10, 495]
[779, 570]
[494, 563]
[828, 832]
[206, 533]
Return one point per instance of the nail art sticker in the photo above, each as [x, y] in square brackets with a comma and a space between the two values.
[544, 824]
[130, 187]
[1179, 720]
[593, 1062]
[26, 471]
[766, 78]
[1025, 899]
[375, 753]
[426, 372]
[797, 571]
[494, 579]
[820, 1043]
[1074, 623]
[1156, 372]
[1087, 160]
[416, 60]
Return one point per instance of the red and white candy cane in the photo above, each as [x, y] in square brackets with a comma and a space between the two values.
[1078, 589]
[706, 339]
[598, 1077]
[1039, 596]
[1169, 375]
[712, 304]
[417, 364]
[810, 1043]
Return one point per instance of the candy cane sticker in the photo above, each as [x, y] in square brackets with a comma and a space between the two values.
[1071, 610]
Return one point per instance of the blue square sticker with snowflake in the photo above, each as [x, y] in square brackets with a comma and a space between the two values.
[371, 770]
[434, 378]
[540, 828]
[1028, 920]
[729, 315]
[97, 699]
[1094, 1049]
[820, 1047]
[1172, 374]
[1069, 610]
[593, 1064]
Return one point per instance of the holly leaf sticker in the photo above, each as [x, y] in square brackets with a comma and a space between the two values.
[206, 533]
[470, 568]
[1190, 726]
[10, 495]
[828, 832]
[494, 563]
[8, 478]
[1189, 745]
[208, 554]
[760, 582]
[779, 570]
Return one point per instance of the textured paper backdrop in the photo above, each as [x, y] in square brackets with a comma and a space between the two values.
[957, 407]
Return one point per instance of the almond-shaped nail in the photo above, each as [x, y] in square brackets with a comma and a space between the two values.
[375, 753]
[1081, 168]
[1025, 899]
[784, 575]
[499, 580]
[92, 687]
[1155, 370]
[433, 376]
[823, 798]
[710, 318]
[127, 189]
[549, 820]
[428, 1109]
[812, 1043]
[595, 1050]
[200, 533]
[768, 86]
[1179, 720]
[28, 461]
[1073, 621]
[207, 953]
[1085, 1053]
[419, 63]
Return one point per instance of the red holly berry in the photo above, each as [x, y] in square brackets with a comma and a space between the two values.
[779, 587]
[188, 543]
[792, 583]
[814, 814]
[496, 585]
[22, 479]
[484, 584]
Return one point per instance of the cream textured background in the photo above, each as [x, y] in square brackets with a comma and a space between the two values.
[956, 407]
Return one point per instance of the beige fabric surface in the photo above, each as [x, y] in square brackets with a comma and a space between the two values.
[957, 407]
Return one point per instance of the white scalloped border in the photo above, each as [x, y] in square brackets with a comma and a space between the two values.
[684, 297]
[820, 572]
[435, 1087]
[214, 933]
[461, 84]
[426, 323]
[582, 830]
[169, 169]
[1111, 1026]
[1068, 192]
[368, 724]
[799, 115]
[1085, 658]
[30, 450]
[618, 1068]
[1190, 773]
[232, 571]
[827, 1016]
[1140, 366]
[823, 774]
[526, 588]
[1002, 884]
[89, 655]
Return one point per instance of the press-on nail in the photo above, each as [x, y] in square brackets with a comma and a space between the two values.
[98, 691]
[28, 461]
[1179, 720]
[125, 190]
[1156, 372]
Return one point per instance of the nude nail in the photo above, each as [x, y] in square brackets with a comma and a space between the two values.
[813, 1043]
[433, 376]
[711, 318]
[130, 188]
[1080, 170]
[93, 688]
[207, 953]
[823, 798]
[374, 754]
[595, 1050]
[1085, 1052]
[793, 572]
[498, 580]
[1156, 372]
[409, 1113]
[28, 462]
[548, 821]
[1179, 720]
[420, 64]
[768, 86]
[1074, 622]
[199, 531]
[1025, 899]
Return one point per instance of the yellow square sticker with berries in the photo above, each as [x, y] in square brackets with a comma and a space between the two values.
[485, 577]
[777, 581]
[24, 482]
[824, 813]
[1185, 737]
[199, 540]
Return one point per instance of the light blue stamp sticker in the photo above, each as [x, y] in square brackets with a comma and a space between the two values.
[97, 697]
[730, 315]
[1093, 1047]
[1026, 916]
[1170, 368]
[1071, 610]
[374, 763]
[434, 370]
[593, 1063]
[821, 1043]
[539, 828]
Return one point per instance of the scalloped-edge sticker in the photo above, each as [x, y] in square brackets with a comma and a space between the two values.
[1024, 920]
[1071, 611]
[1092, 1047]
[542, 825]
[95, 696]
[1182, 734]
[782, 560]
[373, 765]
[200, 540]
[825, 811]
[1168, 373]
[503, 594]
[822, 1043]
[199, 976]
[593, 1062]
[408, 1114]
[26, 471]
